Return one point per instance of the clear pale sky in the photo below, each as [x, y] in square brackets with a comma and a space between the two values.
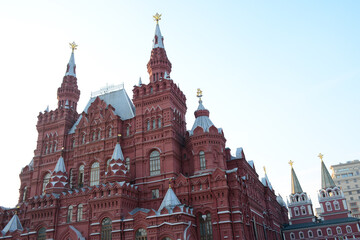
[281, 78]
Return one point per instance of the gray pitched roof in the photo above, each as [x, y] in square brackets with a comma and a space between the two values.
[119, 99]
[295, 184]
[326, 180]
[60, 165]
[320, 223]
[170, 200]
[13, 225]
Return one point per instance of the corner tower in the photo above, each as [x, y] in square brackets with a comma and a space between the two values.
[300, 205]
[331, 198]
[160, 117]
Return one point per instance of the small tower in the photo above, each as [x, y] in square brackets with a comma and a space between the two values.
[68, 93]
[158, 64]
[117, 170]
[300, 205]
[207, 141]
[59, 179]
[331, 198]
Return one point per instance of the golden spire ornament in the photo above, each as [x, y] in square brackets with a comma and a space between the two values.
[291, 163]
[199, 94]
[320, 156]
[264, 169]
[73, 46]
[157, 18]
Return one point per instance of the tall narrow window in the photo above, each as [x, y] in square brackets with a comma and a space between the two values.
[159, 123]
[328, 206]
[148, 125]
[55, 146]
[69, 214]
[108, 165]
[41, 234]
[94, 136]
[205, 227]
[24, 194]
[141, 234]
[110, 132]
[127, 162]
[50, 150]
[127, 131]
[73, 143]
[106, 229]
[45, 182]
[71, 178]
[81, 176]
[95, 174]
[154, 163]
[202, 160]
[83, 139]
[99, 135]
[79, 216]
[336, 205]
[154, 123]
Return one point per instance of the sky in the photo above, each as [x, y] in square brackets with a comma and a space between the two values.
[281, 78]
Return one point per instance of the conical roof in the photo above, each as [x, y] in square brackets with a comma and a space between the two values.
[202, 119]
[158, 38]
[60, 165]
[295, 184]
[326, 180]
[70, 71]
[13, 225]
[170, 200]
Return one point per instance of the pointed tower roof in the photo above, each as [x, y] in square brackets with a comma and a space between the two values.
[117, 167]
[202, 116]
[59, 180]
[326, 180]
[295, 184]
[170, 200]
[158, 38]
[13, 225]
[70, 71]
[60, 165]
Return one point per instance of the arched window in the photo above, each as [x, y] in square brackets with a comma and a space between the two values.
[338, 230]
[328, 206]
[69, 214]
[81, 176]
[73, 143]
[106, 229]
[141, 234]
[329, 231]
[24, 194]
[127, 162]
[95, 174]
[108, 165]
[83, 138]
[303, 210]
[154, 163]
[319, 232]
[292, 235]
[55, 145]
[79, 215]
[154, 123]
[301, 235]
[148, 125]
[110, 132]
[41, 234]
[202, 160]
[296, 211]
[94, 136]
[50, 150]
[99, 135]
[310, 233]
[206, 227]
[127, 131]
[46, 181]
[336, 205]
[159, 123]
[348, 229]
[71, 173]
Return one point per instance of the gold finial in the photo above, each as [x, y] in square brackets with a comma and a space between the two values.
[320, 156]
[157, 18]
[73, 46]
[264, 169]
[291, 163]
[199, 94]
[119, 135]
[170, 179]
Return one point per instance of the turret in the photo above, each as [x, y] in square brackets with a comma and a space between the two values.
[207, 141]
[158, 65]
[300, 205]
[331, 198]
[59, 179]
[68, 93]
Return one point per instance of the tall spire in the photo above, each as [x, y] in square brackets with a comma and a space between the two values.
[158, 63]
[326, 180]
[69, 93]
[295, 184]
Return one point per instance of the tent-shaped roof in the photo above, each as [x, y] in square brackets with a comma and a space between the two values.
[13, 225]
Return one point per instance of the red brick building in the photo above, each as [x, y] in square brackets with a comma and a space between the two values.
[335, 221]
[129, 169]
